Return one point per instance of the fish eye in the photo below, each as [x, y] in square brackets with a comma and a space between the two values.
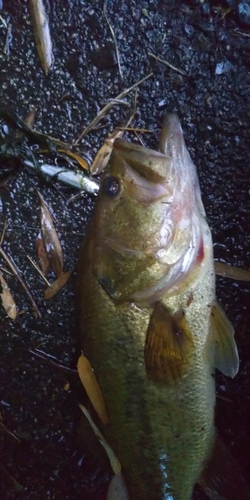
[110, 186]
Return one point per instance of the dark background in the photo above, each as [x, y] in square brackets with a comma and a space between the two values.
[210, 43]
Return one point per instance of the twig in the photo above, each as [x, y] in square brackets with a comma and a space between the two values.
[241, 33]
[135, 103]
[224, 398]
[134, 111]
[3, 233]
[8, 431]
[11, 479]
[229, 216]
[114, 37]
[167, 64]
[132, 129]
[33, 228]
[117, 101]
[50, 360]
[8, 41]
[6, 270]
[28, 121]
[3, 22]
[39, 270]
[14, 269]
[108, 106]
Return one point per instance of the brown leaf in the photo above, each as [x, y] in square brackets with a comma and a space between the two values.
[29, 121]
[92, 387]
[7, 299]
[50, 239]
[76, 157]
[102, 158]
[30, 118]
[42, 254]
[103, 154]
[52, 290]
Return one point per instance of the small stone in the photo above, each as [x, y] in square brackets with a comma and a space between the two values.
[244, 11]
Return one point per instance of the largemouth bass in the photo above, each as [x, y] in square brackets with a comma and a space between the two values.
[149, 322]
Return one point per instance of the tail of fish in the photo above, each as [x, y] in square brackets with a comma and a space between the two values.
[148, 317]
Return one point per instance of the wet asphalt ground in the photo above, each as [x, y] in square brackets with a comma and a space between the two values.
[46, 458]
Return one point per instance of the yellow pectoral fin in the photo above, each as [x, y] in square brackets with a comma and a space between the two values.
[169, 345]
[226, 357]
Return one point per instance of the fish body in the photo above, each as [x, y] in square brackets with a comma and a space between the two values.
[145, 296]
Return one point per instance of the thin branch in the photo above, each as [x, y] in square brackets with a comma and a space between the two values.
[39, 271]
[6, 271]
[11, 479]
[33, 228]
[114, 37]
[3, 22]
[241, 33]
[9, 432]
[132, 129]
[167, 64]
[51, 360]
[14, 269]
[3, 232]
[109, 106]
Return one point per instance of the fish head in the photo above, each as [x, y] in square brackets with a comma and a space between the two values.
[142, 230]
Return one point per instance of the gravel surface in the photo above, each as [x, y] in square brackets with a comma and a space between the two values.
[46, 457]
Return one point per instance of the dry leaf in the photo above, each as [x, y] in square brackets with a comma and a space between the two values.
[114, 462]
[52, 290]
[233, 272]
[42, 254]
[66, 386]
[102, 157]
[108, 106]
[76, 157]
[42, 34]
[103, 154]
[92, 387]
[50, 239]
[29, 121]
[30, 118]
[7, 299]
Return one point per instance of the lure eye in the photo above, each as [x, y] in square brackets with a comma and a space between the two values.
[110, 186]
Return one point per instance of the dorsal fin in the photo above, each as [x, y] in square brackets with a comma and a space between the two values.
[226, 358]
